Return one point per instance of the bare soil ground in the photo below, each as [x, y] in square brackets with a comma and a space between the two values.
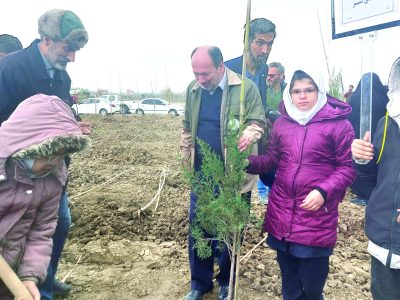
[112, 253]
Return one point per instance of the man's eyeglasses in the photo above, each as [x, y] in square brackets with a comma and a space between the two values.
[273, 75]
[305, 91]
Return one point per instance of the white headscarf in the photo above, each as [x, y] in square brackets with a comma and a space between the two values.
[393, 106]
[303, 117]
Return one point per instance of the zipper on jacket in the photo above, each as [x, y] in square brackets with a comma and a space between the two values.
[300, 159]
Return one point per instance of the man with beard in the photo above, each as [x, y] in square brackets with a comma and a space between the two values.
[261, 37]
[40, 68]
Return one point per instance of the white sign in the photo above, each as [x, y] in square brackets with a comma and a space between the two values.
[350, 17]
[363, 9]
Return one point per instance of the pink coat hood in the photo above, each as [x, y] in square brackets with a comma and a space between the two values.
[41, 126]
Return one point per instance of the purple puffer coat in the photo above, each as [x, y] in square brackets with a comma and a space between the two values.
[317, 154]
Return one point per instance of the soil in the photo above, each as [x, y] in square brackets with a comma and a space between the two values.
[115, 252]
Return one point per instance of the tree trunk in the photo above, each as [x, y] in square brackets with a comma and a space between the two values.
[232, 271]
[237, 262]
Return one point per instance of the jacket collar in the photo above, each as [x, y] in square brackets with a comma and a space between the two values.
[39, 65]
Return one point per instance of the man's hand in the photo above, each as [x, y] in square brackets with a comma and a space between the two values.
[244, 142]
[363, 149]
[313, 201]
[398, 217]
[32, 289]
[85, 127]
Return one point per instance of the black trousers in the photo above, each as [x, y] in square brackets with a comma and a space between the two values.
[385, 282]
[302, 278]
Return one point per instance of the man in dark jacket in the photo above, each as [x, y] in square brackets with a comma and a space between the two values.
[261, 37]
[380, 163]
[40, 68]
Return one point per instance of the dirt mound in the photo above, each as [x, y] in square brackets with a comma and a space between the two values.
[115, 253]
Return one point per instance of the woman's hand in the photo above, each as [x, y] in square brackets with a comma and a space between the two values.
[32, 289]
[363, 149]
[313, 201]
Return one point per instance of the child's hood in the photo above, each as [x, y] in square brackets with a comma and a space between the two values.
[337, 109]
[40, 127]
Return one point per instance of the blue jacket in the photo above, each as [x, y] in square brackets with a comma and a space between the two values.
[23, 74]
[236, 64]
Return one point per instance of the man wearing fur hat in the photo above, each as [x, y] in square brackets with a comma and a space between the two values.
[41, 68]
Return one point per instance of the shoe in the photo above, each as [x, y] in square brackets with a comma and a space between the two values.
[263, 199]
[358, 201]
[61, 288]
[194, 295]
[223, 292]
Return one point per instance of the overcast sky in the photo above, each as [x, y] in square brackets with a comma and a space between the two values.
[145, 45]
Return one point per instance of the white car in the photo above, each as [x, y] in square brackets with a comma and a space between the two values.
[158, 106]
[94, 106]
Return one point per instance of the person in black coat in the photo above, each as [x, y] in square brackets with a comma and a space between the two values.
[380, 161]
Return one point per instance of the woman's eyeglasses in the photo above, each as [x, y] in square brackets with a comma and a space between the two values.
[305, 91]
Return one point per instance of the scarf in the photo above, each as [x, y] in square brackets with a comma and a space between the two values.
[303, 117]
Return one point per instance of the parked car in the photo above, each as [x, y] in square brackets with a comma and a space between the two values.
[124, 107]
[158, 106]
[94, 106]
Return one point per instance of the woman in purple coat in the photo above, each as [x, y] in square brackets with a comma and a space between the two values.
[310, 147]
[33, 143]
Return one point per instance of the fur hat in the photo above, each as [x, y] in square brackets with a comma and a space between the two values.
[63, 25]
[59, 145]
